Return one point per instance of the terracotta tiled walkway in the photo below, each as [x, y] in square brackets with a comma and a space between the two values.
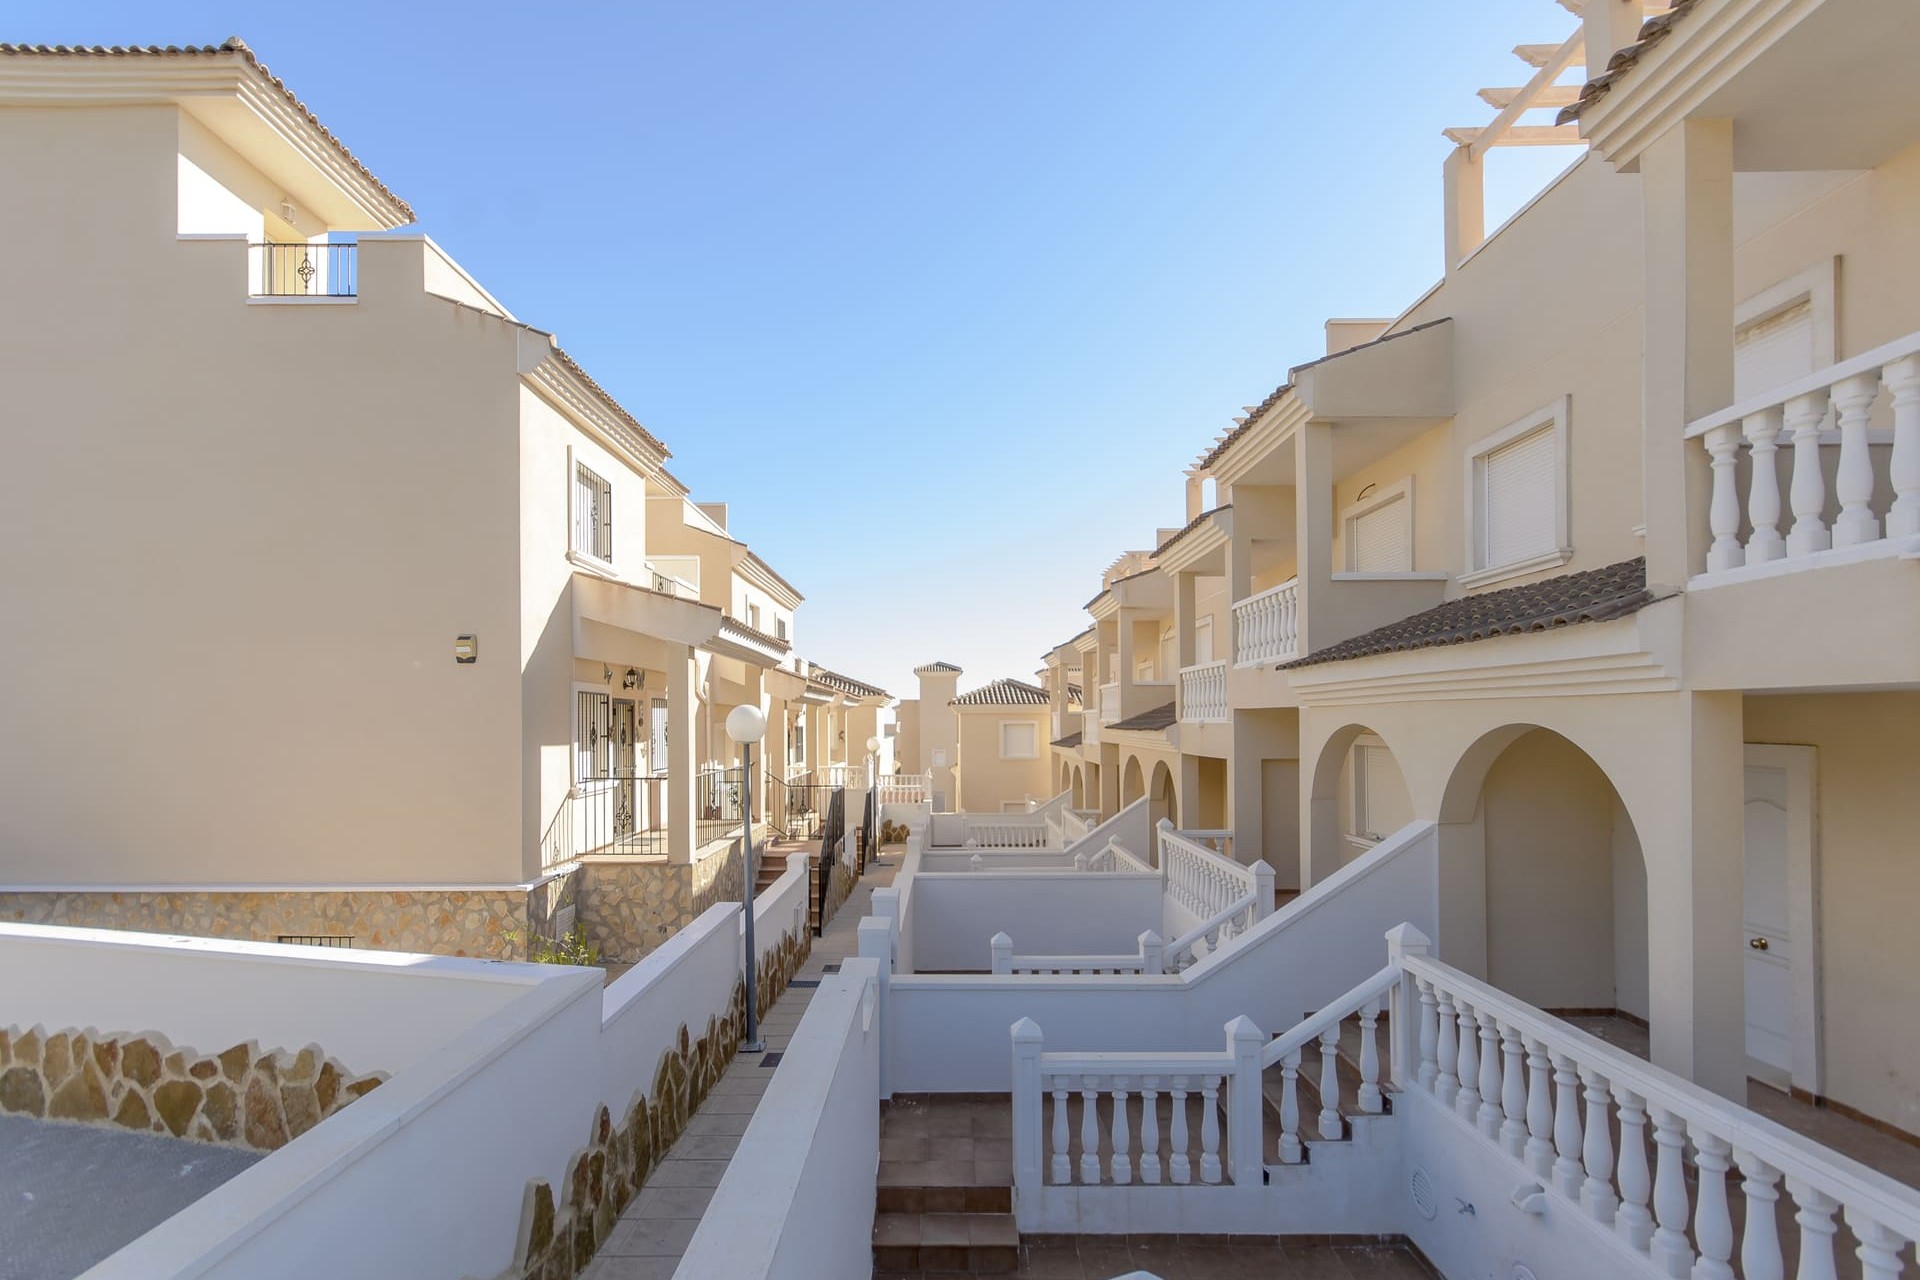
[654, 1231]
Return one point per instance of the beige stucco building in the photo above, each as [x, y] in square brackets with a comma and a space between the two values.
[1601, 554]
[347, 603]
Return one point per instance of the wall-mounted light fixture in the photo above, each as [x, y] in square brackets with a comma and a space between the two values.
[606, 674]
[633, 680]
[466, 649]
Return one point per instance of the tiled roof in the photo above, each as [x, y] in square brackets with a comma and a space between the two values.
[1074, 693]
[1157, 718]
[1004, 693]
[937, 666]
[1241, 425]
[772, 642]
[1071, 741]
[232, 45]
[1193, 524]
[1593, 595]
[847, 684]
[618, 408]
[1652, 32]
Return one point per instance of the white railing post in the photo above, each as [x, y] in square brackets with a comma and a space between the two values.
[1002, 948]
[1244, 1146]
[1409, 1049]
[1807, 492]
[1263, 890]
[1853, 479]
[1153, 953]
[1027, 1044]
[874, 938]
[1763, 495]
[1903, 386]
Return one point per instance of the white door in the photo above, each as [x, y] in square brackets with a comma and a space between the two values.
[1768, 941]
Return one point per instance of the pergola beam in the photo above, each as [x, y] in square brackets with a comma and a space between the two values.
[1519, 135]
[1554, 95]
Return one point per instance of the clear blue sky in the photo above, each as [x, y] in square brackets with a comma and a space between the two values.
[940, 297]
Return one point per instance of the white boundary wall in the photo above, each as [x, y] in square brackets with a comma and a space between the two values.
[947, 1033]
[797, 1200]
[1045, 913]
[498, 1071]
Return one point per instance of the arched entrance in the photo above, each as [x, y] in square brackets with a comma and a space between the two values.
[1133, 783]
[1079, 788]
[1531, 819]
[1359, 797]
[1163, 802]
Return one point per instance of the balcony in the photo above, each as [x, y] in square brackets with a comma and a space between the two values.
[1852, 488]
[1203, 693]
[310, 271]
[675, 576]
[1090, 728]
[1110, 703]
[1266, 626]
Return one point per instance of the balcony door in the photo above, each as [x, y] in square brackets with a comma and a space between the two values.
[625, 744]
[1779, 949]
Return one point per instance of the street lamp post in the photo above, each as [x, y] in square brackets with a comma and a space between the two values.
[746, 725]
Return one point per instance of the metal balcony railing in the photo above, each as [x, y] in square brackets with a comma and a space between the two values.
[303, 270]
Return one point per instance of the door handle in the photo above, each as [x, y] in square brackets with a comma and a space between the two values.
[1757, 944]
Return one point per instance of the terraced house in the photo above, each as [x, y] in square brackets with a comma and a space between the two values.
[359, 611]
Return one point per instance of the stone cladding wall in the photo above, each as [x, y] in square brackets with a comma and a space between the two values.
[241, 1097]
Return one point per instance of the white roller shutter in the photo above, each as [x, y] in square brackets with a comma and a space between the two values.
[1382, 542]
[1519, 519]
[1773, 351]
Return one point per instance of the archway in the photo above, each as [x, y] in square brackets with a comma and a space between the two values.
[1559, 918]
[1079, 788]
[1133, 783]
[1359, 797]
[1066, 777]
[1163, 800]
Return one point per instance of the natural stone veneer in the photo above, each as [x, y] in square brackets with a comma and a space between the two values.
[558, 1239]
[239, 1098]
[629, 906]
[491, 923]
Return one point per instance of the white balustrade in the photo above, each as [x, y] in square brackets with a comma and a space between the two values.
[1578, 1088]
[905, 788]
[1861, 458]
[1004, 833]
[1266, 625]
[1112, 857]
[1110, 703]
[1090, 727]
[1125, 1102]
[1149, 959]
[1364, 1002]
[1203, 693]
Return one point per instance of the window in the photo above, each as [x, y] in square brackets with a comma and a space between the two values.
[592, 731]
[1517, 498]
[1019, 740]
[780, 627]
[1380, 803]
[592, 514]
[1378, 529]
[1784, 332]
[753, 616]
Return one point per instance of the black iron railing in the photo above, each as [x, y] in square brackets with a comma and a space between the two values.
[304, 270]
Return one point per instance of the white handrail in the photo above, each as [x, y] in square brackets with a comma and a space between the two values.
[1203, 693]
[1113, 856]
[1266, 625]
[1222, 926]
[1336, 1011]
[1204, 883]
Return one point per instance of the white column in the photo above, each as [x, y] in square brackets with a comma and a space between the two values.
[1687, 193]
[1723, 513]
[1244, 1139]
[1903, 385]
[1853, 481]
[1464, 179]
[682, 755]
[1026, 1107]
[1807, 493]
[1762, 430]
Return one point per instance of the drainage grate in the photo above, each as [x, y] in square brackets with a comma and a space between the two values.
[772, 1059]
[831, 968]
[804, 982]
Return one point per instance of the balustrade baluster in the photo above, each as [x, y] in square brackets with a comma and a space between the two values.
[1853, 480]
[1179, 1169]
[1210, 1129]
[1062, 1163]
[1446, 1083]
[1712, 1223]
[1760, 1238]
[1290, 1148]
[1814, 1216]
[1669, 1246]
[1596, 1193]
[1149, 1129]
[1539, 1149]
[1632, 1220]
[1903, 385]
[1330, 1125]
[1723, 510]
[1879, 1250]
[1371, 1100]
[1807, 492]
[1467, 1102]
[1513, 1093]
[1566, 1127]
[1090, 1129]
[1763, 487]
[1489, 1117]
[1429, 1070]
[1122, 1163]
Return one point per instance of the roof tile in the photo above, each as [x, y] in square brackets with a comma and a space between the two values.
[1004, 693]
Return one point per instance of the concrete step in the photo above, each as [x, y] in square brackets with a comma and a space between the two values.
[972, 1243]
